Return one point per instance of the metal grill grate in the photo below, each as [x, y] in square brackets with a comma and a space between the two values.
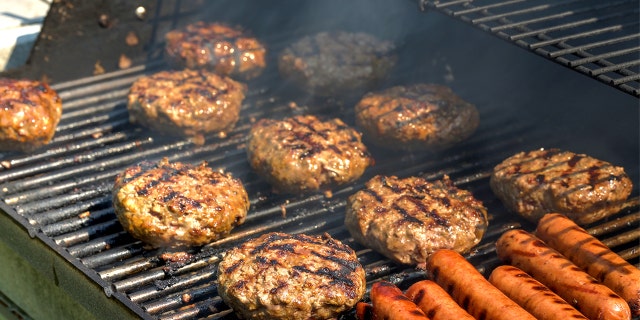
[62, 196]
[600, 39]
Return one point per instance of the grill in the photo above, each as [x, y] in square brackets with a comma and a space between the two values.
[598, 39]
[61, 193]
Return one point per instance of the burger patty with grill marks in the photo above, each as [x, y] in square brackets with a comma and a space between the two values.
[303, 153]
[416, 117]
[186, 103]
[583, 188]
[337, 63]
[217, 47]
[408, 219]
[177, 204]
[284, 276]
[29, 114]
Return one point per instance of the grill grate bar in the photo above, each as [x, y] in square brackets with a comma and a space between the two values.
[521, 11]
[592, 45]
[604, 56]
[179, 300]
[615, 67]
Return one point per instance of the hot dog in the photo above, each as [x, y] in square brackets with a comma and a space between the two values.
[364, 311]
[436, 303]
[470, 289]
[532, 295]
[525, 251]
[389, 303]
[588, 253]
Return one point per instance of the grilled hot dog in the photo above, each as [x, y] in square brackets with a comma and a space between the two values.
[525, 251]
[390, 303]
[470, 289]
[532, 295]
[435, 302]
[588, 253]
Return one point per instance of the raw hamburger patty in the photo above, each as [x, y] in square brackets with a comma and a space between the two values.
[541, 181]
[217, 47]
[187, 103]
[283, 276]
[303, 153]
[178, 204]
[408, 219]
[29, 114]
[328, 64]
[420, 116]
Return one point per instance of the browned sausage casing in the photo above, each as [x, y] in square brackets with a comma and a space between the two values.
[532, 295]
[435, 302]
[525, 251]
[390, 303]
[470, 289]
[588, 253]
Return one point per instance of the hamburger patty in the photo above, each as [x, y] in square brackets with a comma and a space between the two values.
[328, 64]
[178, 204]
[283, 276]
[187, 103]
[29, 114]
[420, 116]
[303, 153]
[408, 219]
[223, 49]
[541, 181]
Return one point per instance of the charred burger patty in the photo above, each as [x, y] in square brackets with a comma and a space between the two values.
[188, 103]
[336, 63]
[408, 219]
[420, 117]
[284, 276]
[29, 114]
[303, 153]
[217, 47]
[583, 188]
[178, 204]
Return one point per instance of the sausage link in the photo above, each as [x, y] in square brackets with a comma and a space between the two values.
[588, 253]
[436, 303]
[389, 303]
[364, 311]
[470, 289]
[532, 295]
[525, 251]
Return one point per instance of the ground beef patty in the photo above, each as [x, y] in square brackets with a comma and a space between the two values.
[178, 204]
[408, 219]
[217, 47]
[303, 153]
[186, 103]
[416, 117]
[328, 64]
[283, 276]
[541, 181]
[29, 114]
